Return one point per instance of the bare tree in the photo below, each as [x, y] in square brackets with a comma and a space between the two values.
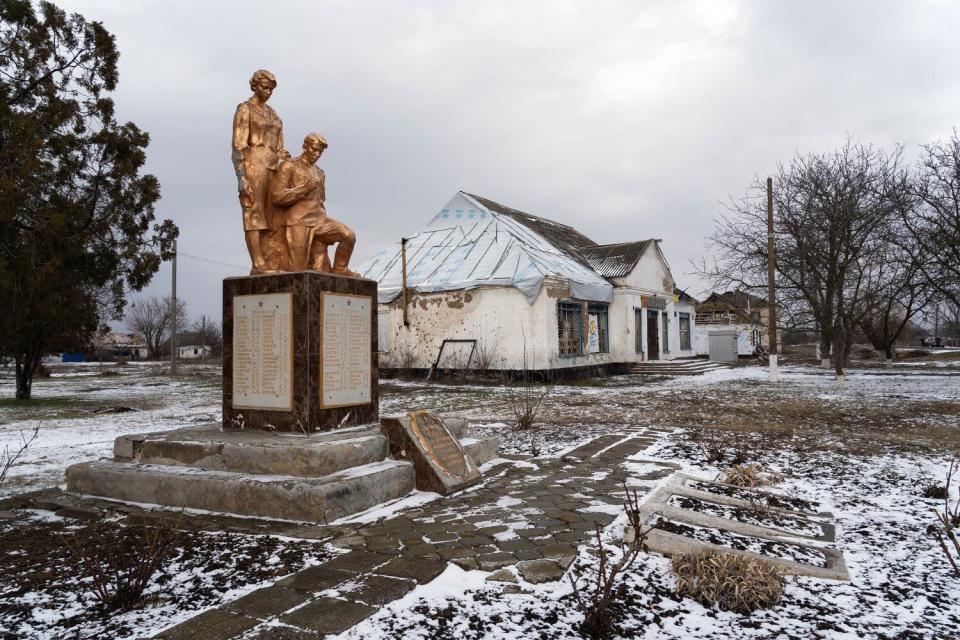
[830, 211]
[900, 290]
[150, 318]
[209, 333]
[935, 222]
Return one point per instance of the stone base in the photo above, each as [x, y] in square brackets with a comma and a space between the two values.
[307, 412]
[317, 478]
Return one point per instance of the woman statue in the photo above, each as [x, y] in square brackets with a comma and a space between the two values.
[257, 150]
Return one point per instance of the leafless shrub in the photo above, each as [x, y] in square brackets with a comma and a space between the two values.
[936, 492]
[750, 476]
[8, 459]
[122, 564]
[717, 446]
[487, 354]
[596, 605]
[526, 397]
[729, 581]
[948, 523]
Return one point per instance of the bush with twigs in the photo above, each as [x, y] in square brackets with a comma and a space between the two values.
[750, 476]
[525, 397]
[9, 458]
[729, 581]
[596, 606]
[120, 567]
[946, 530]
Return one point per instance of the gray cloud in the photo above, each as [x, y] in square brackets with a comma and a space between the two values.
[627, 120]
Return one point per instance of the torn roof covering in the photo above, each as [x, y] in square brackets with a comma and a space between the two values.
[474, 242]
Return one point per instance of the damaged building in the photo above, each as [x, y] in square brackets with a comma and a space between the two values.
[485, 286]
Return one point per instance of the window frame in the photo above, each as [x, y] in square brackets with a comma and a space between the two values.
[602, 311]
[572, 309]
[685, 337]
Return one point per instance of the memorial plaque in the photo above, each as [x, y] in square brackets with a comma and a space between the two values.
[439, 462]
[262, 352]
[346, 350]
[438, 442]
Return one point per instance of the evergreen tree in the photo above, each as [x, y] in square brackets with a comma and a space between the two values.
[77, 227]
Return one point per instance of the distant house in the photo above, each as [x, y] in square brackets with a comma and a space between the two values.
[521, 291]
[118, 345]
[193, 351]
[746, 313]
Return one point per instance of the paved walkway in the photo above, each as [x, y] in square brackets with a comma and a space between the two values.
[533, 518]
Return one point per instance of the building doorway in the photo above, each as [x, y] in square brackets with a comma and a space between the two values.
[653, 335]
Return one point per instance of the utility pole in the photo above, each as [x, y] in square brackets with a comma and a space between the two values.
[173, 312]
[772, 285]
[403, 266]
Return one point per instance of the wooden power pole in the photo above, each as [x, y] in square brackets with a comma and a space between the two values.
[403, 267]
[772, 285]
[173, 313]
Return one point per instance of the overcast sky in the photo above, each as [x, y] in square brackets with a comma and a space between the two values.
[627, 120]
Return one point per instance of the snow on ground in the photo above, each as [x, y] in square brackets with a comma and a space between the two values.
[865, 448]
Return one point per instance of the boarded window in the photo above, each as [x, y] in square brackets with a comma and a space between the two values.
[601, 311]
[570, 328]
[685, 332]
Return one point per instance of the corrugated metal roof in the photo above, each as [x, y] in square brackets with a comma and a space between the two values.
[561, 236]
[615, 260]
[470, 244]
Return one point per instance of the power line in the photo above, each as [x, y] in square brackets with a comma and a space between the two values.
[202, 259]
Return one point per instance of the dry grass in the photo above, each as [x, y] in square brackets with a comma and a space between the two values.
[728, 581]
[750, 476]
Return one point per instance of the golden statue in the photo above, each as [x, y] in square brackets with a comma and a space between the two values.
[300, 185]
[257, 150]
[285, 221]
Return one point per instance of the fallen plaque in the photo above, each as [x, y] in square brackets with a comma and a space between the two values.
[439, 462]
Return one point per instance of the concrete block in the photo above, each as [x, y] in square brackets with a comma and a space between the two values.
[257, 452]
[286, 497]
[482, 450]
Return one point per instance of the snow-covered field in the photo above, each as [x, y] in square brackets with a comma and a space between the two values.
[865, 448]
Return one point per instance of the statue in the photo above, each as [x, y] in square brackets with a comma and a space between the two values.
[285, 221]
[257, 150]
[299, 185]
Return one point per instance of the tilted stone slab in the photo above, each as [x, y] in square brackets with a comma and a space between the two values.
[440, 462]
[286, 497]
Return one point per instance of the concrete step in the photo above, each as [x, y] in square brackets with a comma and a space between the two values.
[320, 499]
[677, 367]
[256, 452]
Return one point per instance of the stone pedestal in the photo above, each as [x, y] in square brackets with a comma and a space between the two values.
[299, 352]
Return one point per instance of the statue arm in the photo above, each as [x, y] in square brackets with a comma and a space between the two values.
[282, 194]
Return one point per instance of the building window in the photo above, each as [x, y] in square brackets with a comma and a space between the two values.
[685, 332]
[666, 332]
[570, 328]
[601, 310]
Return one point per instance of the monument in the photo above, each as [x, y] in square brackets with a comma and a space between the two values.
[300, 331]
[301, 437]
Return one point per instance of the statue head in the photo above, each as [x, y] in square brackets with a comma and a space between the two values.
[313, 145]
[262, 83]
